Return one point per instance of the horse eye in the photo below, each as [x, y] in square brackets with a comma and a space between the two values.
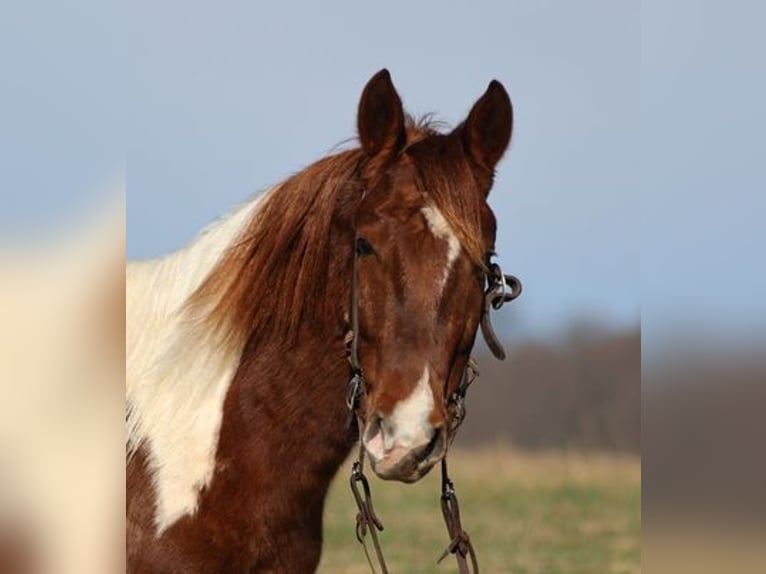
[363, 247]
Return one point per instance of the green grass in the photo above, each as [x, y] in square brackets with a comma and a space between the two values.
[526, 514]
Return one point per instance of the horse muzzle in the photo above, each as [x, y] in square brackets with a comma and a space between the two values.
[404, 458]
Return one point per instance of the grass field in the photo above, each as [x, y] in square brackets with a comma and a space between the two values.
[526, 514]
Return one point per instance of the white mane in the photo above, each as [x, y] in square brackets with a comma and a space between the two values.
[176, 377]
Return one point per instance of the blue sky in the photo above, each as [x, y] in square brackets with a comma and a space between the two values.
[703, 183]
[633, 187]
[62, 137]
[226, 101]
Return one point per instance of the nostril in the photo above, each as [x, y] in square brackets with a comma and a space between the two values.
[388, 426]
[373, 426]
[434, 446]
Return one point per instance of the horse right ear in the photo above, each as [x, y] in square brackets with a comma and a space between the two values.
[487, 130]
[380, 120]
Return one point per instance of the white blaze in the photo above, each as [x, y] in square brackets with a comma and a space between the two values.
[408, 422]
[442, 230]
[407, 426]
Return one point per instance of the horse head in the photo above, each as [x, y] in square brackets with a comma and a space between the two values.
[423, 230]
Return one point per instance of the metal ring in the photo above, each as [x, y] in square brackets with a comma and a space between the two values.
[501, 282]
[353, 390]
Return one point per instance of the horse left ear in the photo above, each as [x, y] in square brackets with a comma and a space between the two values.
[487, 131]
[380, 119]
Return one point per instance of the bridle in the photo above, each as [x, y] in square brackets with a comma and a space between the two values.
[499, 289]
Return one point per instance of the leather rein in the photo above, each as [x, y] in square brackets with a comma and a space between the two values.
[499, 289]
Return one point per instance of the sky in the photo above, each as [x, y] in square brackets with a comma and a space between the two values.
[703, 183]
[62, 136]
[634, 129]
[227, 101]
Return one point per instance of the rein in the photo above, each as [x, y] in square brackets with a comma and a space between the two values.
[500, 289]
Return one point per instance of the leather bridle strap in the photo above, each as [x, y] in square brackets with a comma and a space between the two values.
[356, 388]
[353, 350]
[460, 543]
[366, 519]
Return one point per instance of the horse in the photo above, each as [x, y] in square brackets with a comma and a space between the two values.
[238, 344]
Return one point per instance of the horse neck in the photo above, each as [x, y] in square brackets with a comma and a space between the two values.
[285, 414]
[274, 414]
[173, 374]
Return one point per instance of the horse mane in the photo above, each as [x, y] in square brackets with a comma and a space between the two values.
[275, 275]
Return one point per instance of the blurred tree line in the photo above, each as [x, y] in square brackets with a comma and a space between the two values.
[582, 392]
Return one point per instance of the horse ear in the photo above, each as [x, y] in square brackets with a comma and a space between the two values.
[487, 131]
[380, 120]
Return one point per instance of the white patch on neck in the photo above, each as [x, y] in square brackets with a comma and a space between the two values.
[408, 425]
[442, 230]
[176, 377]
